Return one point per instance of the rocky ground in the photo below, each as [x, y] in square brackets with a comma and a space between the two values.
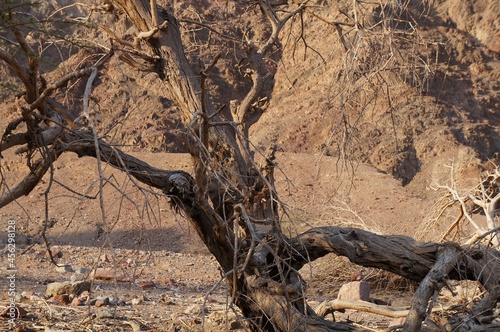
[153, 273]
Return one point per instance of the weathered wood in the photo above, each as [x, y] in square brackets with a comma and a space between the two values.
[37, 171]
[328, 307]
[401, 255]
[398, 254]
[433, 282]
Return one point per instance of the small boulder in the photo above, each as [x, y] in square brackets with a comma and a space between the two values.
[58, 288]
[355, 290]
[76, 302]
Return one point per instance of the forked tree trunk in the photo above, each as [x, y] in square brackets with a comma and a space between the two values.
[231, 195]
[233, 206]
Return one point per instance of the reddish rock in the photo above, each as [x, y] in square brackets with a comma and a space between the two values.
[109, 274]
[355, 290]
[76, 302]
[167, 281]
[102, 301]
[61, 299]
[13, 312]
[146, 284]
[58, 288]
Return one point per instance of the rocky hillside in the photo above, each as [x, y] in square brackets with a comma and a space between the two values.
[409, 127]
[408, 87]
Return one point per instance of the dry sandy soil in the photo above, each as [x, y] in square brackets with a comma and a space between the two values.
[165, 276]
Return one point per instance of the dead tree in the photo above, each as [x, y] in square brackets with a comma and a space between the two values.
[230, 200]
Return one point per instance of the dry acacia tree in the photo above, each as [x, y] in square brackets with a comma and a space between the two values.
[229, 199]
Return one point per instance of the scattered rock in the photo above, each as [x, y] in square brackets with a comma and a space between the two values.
[355, 290]
[113, 300]
[194, 309]
[109, 274]
[81, 270]
[76, 302]
[13, 312]
[105, 313]
[136, 301]
[146, 284]
[64, 269]
[58, 288]
[101, 301]
[61, 299]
